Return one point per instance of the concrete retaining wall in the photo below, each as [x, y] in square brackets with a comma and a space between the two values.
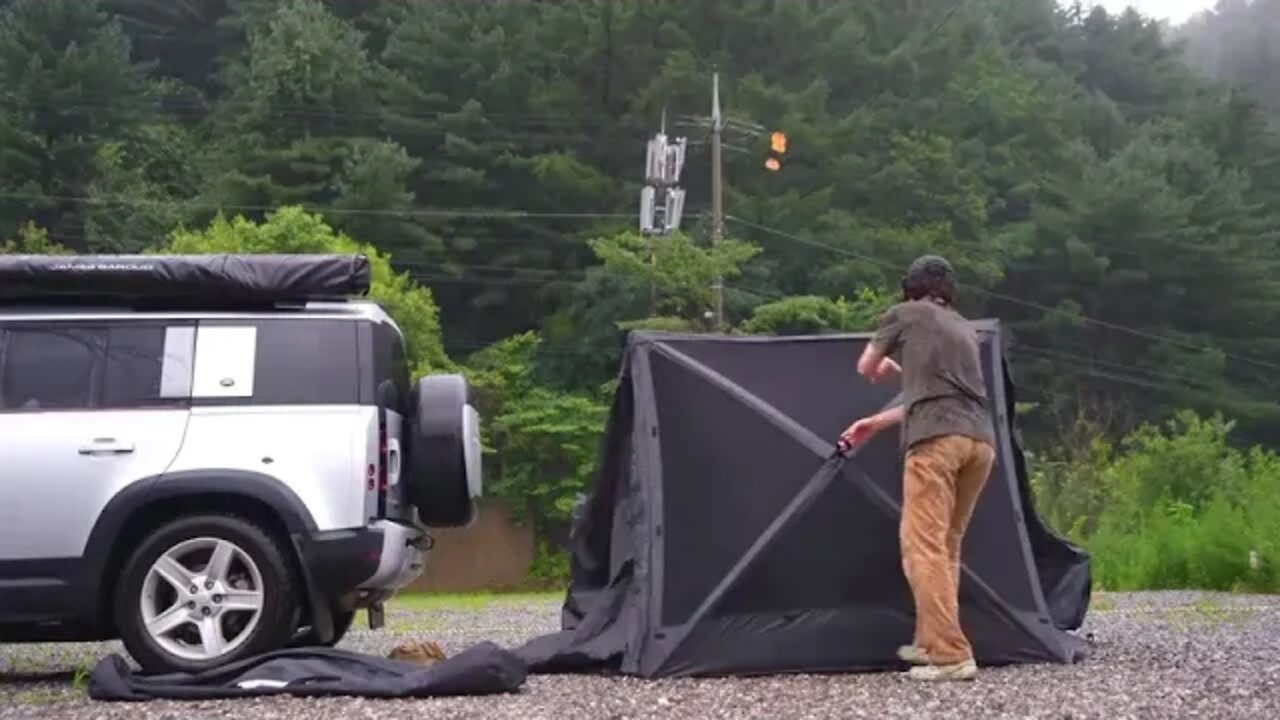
[493, 554]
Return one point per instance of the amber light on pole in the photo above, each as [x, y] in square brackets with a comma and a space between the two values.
[777, 148]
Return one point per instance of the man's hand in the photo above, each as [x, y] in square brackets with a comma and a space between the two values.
[861, 431]
[875, 365]
[885, 370]
[866, 428]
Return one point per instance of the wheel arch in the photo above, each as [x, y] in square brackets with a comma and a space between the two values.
[145, 504]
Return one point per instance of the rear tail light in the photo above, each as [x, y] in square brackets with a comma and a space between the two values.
[382, 463]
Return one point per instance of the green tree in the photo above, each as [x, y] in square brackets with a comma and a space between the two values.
[69, 91]
[291, 230]
[374, 202]
[136, 197]
[542, 443]
[682, 273]
[302, 87]
[813, 315]
[32, 240]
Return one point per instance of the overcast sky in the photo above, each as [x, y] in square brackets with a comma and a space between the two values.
[1175, 11]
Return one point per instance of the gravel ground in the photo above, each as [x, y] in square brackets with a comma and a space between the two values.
[1157, 655]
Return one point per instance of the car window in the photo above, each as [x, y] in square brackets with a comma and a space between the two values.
[391, 368]
[304, 361]
[307, 362]
[49, 368]
[147, 365]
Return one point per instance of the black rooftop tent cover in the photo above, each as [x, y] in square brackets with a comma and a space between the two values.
[724, 536]
[213, 279]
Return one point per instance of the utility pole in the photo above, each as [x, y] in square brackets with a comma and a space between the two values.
[717, 124]
[661, 199]
[717, 192]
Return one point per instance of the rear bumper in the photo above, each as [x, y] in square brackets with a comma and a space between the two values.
[384, 556]
[403, 557]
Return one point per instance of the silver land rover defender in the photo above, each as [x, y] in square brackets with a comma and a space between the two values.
[211, 457]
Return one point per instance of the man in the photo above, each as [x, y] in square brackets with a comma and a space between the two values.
[949, 443]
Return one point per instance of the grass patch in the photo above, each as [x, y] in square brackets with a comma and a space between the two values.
[468, 601]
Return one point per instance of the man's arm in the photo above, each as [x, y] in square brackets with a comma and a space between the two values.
[863, 430]
[870, 360]
[886, 419]
[875, 363]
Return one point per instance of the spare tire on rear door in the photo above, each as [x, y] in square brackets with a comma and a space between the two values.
[442, 466]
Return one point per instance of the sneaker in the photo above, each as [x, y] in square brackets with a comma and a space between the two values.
[914, 655]
[966, 670]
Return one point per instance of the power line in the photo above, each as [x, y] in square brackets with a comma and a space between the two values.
[815, 243]
[327, 210]
[1048, 310]
[550, 280]
[945, 19]
[312, 110]
[1087, 362]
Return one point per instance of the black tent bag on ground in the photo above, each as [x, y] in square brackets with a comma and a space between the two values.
[721, 537]
[484, 669]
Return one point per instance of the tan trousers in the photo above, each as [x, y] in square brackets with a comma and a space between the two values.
[943, 478]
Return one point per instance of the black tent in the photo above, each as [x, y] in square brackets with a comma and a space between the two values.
[723, 536]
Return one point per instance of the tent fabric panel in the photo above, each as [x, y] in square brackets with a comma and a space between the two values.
[995, 544]
[598, 637]
[726, 473]
[594, 553]
[483, 669]
[843, 640]
[824, 558]
[645, 509]
[810, 381]
[818, 640]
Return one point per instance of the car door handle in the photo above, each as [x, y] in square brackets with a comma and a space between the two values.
[393, 462]
[107, 446]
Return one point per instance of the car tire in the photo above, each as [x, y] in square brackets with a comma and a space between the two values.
[245, 606]
[437, 465]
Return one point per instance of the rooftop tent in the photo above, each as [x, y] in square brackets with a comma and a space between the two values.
[209, 279]
[724, 537]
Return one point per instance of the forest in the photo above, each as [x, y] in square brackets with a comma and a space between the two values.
[1107, 186]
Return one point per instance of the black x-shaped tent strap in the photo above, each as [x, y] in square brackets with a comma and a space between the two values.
[833, 466]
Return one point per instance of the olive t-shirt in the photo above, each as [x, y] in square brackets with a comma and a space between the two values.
[942, 383]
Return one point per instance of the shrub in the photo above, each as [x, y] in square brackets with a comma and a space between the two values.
[1180, 507]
